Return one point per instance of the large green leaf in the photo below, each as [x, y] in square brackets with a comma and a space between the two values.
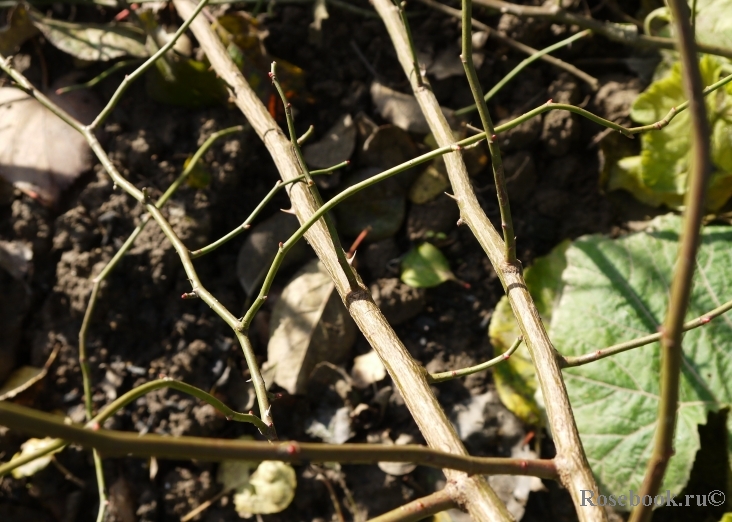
[614, 290]
[659, 175]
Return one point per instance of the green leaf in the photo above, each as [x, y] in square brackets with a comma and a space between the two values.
[713, 24]
[613, 290]
[659, 176]
[92, 42]
[425, 267]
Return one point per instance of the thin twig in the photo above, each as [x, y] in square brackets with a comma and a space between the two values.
[130, 397]
[671, 352]
[144, 67]
[520, 67]
[181, 250]
[579, 360]
[435, 378]
[609, 30]
[504, 206]
[406, 373]
[118, 444]
[492, 33]
[419, 509]
[341, 255]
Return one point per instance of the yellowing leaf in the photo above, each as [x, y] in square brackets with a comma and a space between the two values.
[515, 378]
[270, 489]
[659, 176]
[425, 267]
[199, 177]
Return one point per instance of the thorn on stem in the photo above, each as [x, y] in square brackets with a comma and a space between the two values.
[189, 295]
[493, 137]
[451, 196]
[460, 222]
[550, 101]
[288, 211]
[705, 320]
[246, 226]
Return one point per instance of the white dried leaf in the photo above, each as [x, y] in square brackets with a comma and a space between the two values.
[39, 153]
[401, 109]
[31, 446]
[309, 325]
[270, 489]
[367, 369]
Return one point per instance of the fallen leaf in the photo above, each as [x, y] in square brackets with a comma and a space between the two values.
[367, 370]
[331, 425]
[244, 40]
[15, 258]
[39, 153]
[20, 380]
[401, 109]
[92, 42]
[19, 29]
[270, 489]
[425, 267]
[335, 147]
[260, 248]
[429, 184]
[397, 469]
[309, 325]
[33, 467]
[380, 208]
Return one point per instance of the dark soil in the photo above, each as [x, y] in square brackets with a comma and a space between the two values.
[141, 328]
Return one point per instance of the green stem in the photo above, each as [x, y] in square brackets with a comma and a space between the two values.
[523, 48]
[520, 67]
[502, 193]
[340, 253]
[399, 4]
[144, 67]
[305, 137]
[130, 397]
[579, 360]
[609, 30]
[248, 222]
[681, 283]
[103, 76]
[101, 493]
[113, 444]
[679, 108]
[435, 378]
